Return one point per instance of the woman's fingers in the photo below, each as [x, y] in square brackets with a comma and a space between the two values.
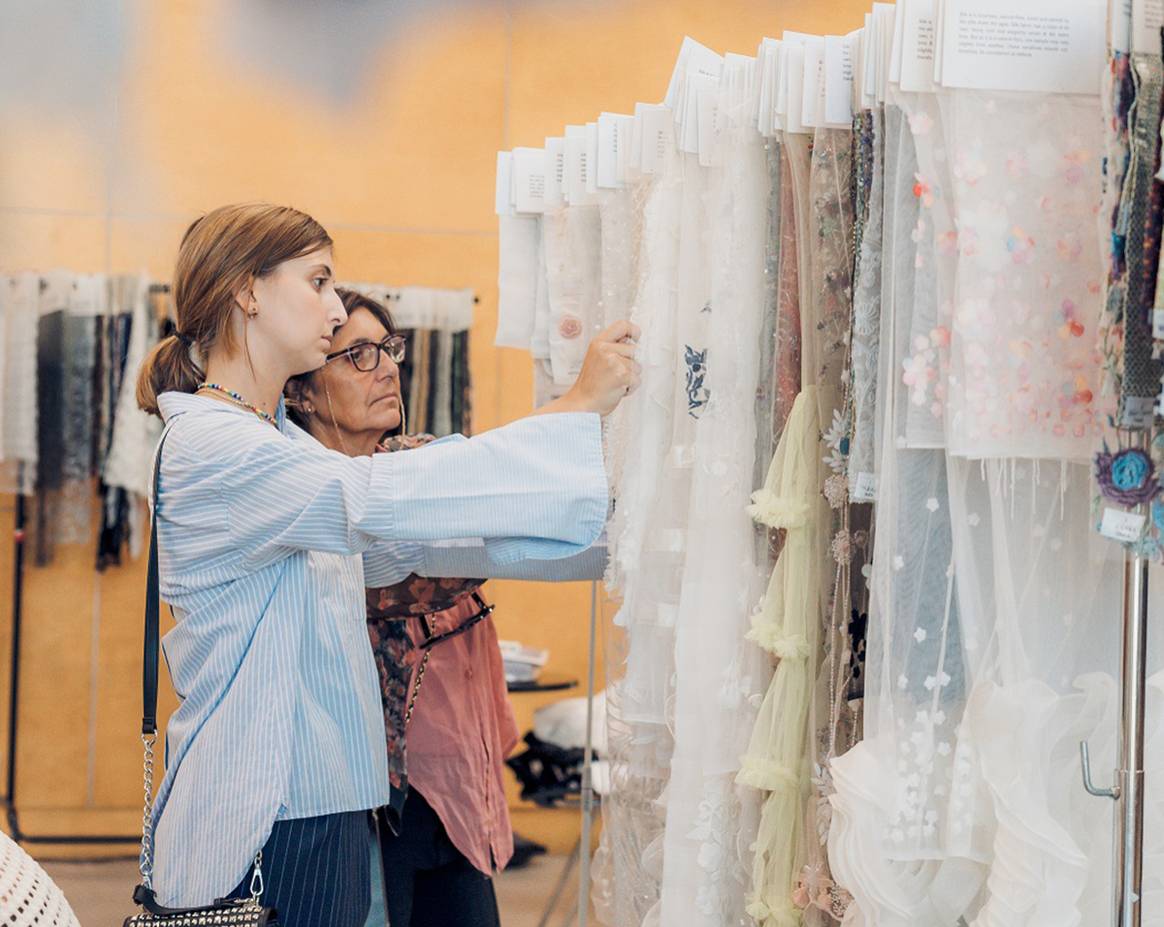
[623, 330]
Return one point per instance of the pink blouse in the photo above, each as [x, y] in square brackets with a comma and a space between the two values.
[462, 730]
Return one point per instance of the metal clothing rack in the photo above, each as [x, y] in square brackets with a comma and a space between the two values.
[580, 854]
[9, 800]
[1127, 789]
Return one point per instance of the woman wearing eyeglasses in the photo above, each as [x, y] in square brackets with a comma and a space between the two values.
[276, 753]
[441, 674]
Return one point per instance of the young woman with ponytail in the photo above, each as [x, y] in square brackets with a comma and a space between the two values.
[267, 540]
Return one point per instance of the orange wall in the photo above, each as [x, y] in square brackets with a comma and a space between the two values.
[403, 178]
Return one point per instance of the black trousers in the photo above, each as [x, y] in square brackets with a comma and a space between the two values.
[427, 882]
[316, 871]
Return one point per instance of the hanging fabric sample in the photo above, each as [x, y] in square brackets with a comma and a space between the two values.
[21, 302]
[711, 823]
[518, 245]
[639, 675]
[866, 334]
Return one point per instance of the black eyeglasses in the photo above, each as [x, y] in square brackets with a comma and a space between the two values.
[365, 356]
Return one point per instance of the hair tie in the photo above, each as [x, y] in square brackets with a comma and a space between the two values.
[185, 339]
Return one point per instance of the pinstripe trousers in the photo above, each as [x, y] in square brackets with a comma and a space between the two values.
[316, 871]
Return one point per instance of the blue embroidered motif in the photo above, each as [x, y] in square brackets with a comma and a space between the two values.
[697, 393]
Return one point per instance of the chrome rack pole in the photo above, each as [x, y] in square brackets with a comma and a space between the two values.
[587, 761]
[1128, 789]
[1130, 775]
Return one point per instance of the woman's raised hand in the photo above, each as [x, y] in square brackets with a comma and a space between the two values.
[609, 371]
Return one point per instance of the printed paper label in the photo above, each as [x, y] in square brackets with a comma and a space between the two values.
[866, 488]
[1041, 46]
[1137, 412]
[917, 50]
[1121, 526]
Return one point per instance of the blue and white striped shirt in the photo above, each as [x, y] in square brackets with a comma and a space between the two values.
[260, 534]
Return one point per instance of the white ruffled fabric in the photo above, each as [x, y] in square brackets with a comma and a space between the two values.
[28, 897]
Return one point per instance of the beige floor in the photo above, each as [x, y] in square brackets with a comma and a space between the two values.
[100, 892]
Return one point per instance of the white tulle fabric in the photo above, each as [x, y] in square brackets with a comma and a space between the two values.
[711, 823]
[684, 685]
[640, 640]
[992, 644]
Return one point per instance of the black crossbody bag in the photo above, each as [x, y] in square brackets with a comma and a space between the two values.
[244, 912]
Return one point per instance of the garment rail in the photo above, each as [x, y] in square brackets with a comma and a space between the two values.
[1127, 791]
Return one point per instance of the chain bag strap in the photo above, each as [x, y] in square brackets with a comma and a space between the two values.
[244, 912]
[430, 641]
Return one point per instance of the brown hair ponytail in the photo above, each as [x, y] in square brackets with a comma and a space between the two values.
[219, 254]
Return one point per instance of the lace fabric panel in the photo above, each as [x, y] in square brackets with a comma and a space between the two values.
[640, 652]
[866, 336]
[797, 151]
[539, 342]
[788, 337]
[825, 326]
[767, 383]
[931, 244]
[836, 164]
[719, 678]
[899, 271]
[1024, 368]
[885, 840]
[620, 215]
[969, 626]
[573, 252]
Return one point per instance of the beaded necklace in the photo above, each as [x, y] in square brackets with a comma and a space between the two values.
[238, 400]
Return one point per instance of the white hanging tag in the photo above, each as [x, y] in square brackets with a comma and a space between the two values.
[1126, 527]
[917, 48]
[865, 489]
[707, 117]
[900, 9]
[869, 63]
[658, 134]
[793, 121]
[1147, 20]
[1042, 46]
[613, 136]
[555, 196]
[529, 180]
[592, 158]
[1119, 35]
[838, 81]
[767, 54]
[1158, 323]
[1137, 412]
[812, 110]
[577, 167]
